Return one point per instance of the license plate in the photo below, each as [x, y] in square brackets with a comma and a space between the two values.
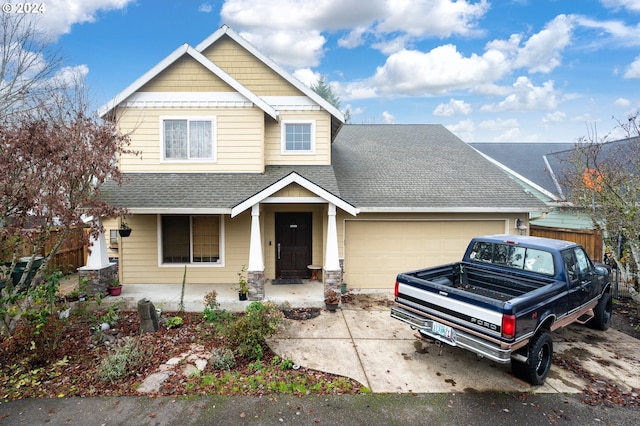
[442, 330]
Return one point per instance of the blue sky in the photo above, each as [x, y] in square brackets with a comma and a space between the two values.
[490, 71]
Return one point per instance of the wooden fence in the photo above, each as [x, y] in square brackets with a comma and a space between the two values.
[71, 255]
[590, 239]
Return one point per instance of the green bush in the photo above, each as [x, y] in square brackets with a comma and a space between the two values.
[222, 359]
[124, 360]
[248, 333]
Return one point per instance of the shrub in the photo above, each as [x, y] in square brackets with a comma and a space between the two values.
[249, 332]
[124, 360]
[222, 359]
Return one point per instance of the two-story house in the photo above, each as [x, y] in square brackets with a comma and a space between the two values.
[242, 165]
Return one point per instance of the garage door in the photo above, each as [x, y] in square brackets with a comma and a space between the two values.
[376, 251]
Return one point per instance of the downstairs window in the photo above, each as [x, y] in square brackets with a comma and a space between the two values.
[191, 239]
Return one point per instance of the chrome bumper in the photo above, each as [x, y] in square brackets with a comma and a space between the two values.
[460, 338]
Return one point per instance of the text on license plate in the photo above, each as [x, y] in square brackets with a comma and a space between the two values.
[442, 330]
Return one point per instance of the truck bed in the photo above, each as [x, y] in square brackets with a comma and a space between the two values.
[483, 281]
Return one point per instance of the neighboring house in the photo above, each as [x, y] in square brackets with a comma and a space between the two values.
[538, 168]
[242, 165]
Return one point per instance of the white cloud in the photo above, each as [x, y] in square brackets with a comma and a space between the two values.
[411, 72]
[290, 48]
[499, 124]
[353, 39]
[632, 5]
[633, 71]
[257, 20]
[387, 117]
[622, 102]
[527, 97]
[205, 8]
[291, 33]
[553, 118]
[464, 129]
[541, 53]
[510, 135]
[307, 76]
[452, 108]
[623, 34]
[60, 15]
[440, 18]
[391, 46]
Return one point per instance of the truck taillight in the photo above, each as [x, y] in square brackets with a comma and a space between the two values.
[395, 290]
[508, 326]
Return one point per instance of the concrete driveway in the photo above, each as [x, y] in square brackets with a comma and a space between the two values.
[363, 342]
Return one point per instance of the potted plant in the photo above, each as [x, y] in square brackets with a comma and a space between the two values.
[243, 286]
[124, 230]
[115, 288]
[331, 299]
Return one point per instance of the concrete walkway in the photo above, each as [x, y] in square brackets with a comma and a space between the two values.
[366, 344]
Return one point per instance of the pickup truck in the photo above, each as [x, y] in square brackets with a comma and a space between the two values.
[504, 299]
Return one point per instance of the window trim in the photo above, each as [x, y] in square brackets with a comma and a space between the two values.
[189, 118]
[283, 137]
[221, 260]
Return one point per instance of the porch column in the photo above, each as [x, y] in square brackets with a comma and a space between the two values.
[98, 273]
[332, 272]
[255, 270]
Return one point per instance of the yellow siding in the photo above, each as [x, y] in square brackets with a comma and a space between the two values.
[239, 134]
[294, 190]
[273, 140]
[140, 263]
[186, 75]
[248, 70]
[377, 247]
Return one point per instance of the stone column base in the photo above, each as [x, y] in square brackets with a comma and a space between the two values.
[96, 280]
[255, 280]
[333, 281]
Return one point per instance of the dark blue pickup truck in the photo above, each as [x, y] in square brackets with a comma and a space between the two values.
[504, 299]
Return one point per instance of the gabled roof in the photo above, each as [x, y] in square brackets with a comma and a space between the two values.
[185, 49]
[530, 162]
[421, 168]
[293, 177]
[226, 30]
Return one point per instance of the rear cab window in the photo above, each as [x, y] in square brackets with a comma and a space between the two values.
[513, 256]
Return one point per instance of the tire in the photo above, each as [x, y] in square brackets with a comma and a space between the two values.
[539, 359]
[602, 313]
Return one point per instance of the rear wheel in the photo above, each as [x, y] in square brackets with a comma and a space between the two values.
[602, 313]
[539, 358]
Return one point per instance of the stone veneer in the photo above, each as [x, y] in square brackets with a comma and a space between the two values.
[97, 280]
[333, 280]
[255, 280]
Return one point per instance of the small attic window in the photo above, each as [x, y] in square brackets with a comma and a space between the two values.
[298, 137]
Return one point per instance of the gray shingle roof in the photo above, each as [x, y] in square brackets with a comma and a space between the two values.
[385, 167]
[526, 159]
[422, 167]
[206, 190]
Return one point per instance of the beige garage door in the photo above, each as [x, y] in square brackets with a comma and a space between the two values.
[376, 251]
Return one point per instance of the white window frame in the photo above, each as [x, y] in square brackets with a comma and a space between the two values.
[283, 136]
[221, 259]
[214, 139]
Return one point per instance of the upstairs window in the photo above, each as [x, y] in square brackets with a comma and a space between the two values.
[298, 137]
[188, 139]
